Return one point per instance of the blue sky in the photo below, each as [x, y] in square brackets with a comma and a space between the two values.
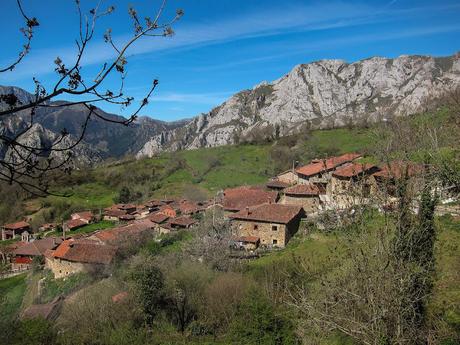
[224, 46]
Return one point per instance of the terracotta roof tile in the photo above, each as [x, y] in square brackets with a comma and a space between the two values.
[119, 234]
[85, 252]
[17, 225]
[75, 223]
[38, 247]
[239, 198]
[182, 221]
[275, 213]
[318, 166]
[158, 218]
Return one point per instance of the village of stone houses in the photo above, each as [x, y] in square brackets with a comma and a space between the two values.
[260, 218]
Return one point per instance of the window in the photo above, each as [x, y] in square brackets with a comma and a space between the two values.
[274, 227]
[256, 227]
[275, 241]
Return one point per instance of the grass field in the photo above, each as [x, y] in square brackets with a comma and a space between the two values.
[12, 291]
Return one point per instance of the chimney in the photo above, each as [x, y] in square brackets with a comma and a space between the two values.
[247, 211]
[269, 200]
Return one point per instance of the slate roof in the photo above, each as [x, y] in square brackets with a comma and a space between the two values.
[274, 213]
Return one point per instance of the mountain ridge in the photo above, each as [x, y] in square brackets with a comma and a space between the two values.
[320, 94]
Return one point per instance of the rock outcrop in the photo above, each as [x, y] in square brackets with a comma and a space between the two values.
[321, 94]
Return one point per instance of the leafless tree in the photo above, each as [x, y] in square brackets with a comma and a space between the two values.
[28, 165]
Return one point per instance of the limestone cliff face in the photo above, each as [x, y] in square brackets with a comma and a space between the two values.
[322, 93]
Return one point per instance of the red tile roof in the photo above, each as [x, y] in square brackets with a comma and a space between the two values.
[85, 252]
[239, 198]
[182, 221]
[120, 233]
[274, 213]
[188, 207]
[318, 166]
[75, 223]
[354, 169]
[37, 247]
[16, 226]
[302, 189]
[398, 169]
[158, 218]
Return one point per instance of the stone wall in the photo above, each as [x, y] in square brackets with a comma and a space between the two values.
[288, 177]
[64, 268]
[310, 204]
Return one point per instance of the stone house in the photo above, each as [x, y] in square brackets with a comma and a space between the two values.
[75, 256]
[319, 170]
[351, 184]
[304, 195]
[10, 231]
[158, 219]
[182, 222]
[273, 224]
